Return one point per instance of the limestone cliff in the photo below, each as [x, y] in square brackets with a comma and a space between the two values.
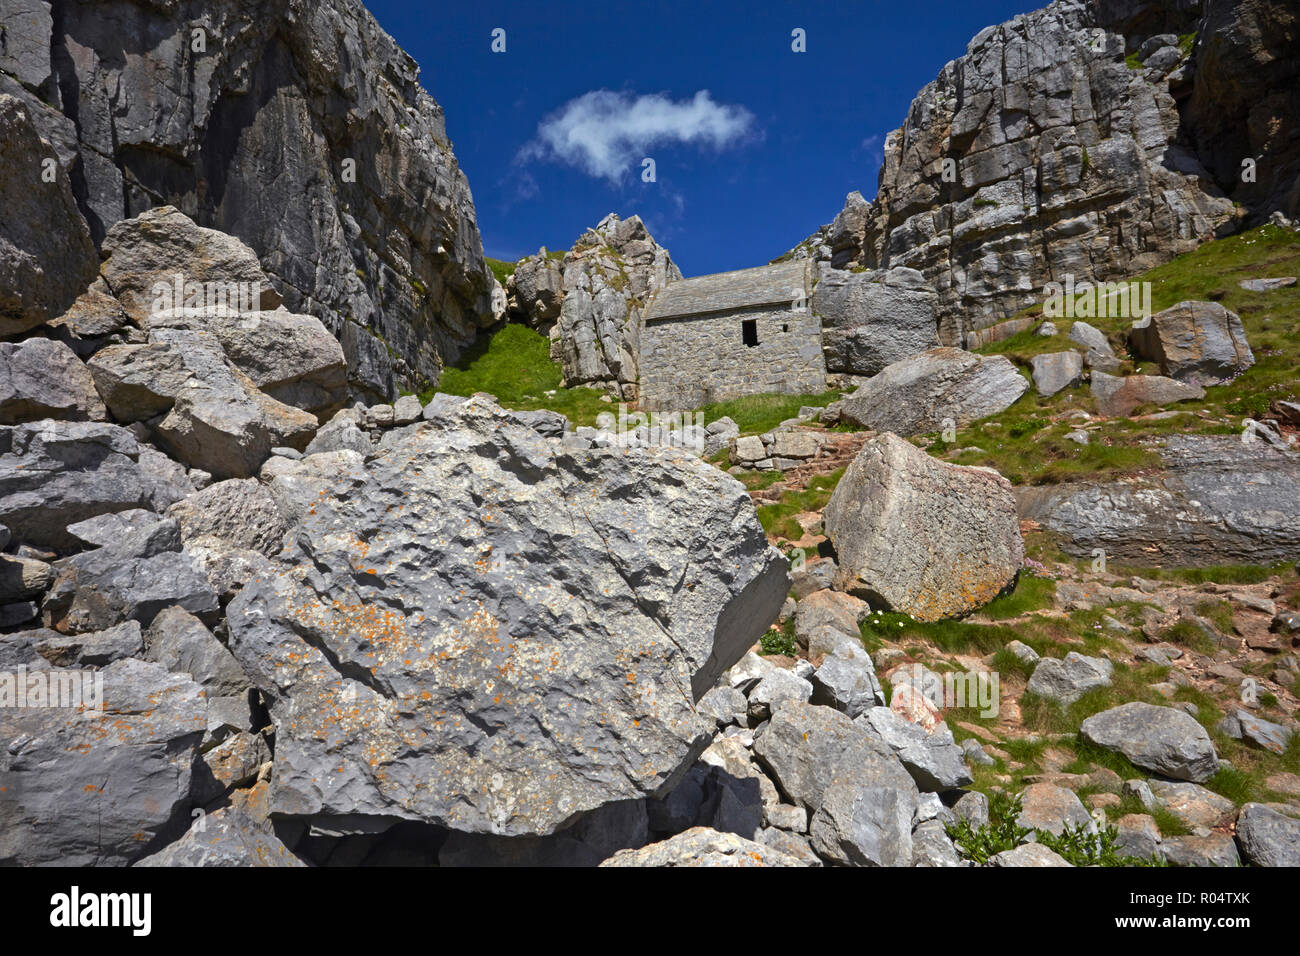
[1094, 138]
[298, 126]
[591, 301]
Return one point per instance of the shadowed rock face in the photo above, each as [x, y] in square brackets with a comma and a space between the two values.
[483, 630]
[250, 136]
[46, 256]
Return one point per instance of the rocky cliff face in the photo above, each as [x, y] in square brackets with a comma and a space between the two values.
[591, 302]
[299, 127]
[1088, 138]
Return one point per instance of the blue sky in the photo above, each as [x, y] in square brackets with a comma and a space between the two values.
[755, 146]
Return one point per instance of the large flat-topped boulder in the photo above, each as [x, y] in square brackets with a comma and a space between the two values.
[760, 287]
[1219, 500]
[927, 392]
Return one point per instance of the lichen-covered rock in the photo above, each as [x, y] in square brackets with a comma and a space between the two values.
[46, 255]
[934, 390]
[701, 846]
[227, 837]
[920, 536]
[425, 657]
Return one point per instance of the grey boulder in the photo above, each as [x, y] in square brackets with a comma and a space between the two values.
[131, 580]
[1268, 838]
[863, 826]
[1065, 680]
[920, 536]
[925, 392]
[1055, 371]
[1197, 342]
[54, 474]
[213, 416]
[86, 788]
[1217, 500]
[1162, 740]
[229, 837]
[182, 643]
[1118, 396]
[807, 749]
[40, 378]
[424, 656]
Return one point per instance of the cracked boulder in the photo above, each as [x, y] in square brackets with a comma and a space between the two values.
[425, 657]
[292, 358]
[920, 536]
[1200, 343]
[145, 257]
[131, 580]
[44, 379]
[56, 474]
[86, 787]
[206, 411]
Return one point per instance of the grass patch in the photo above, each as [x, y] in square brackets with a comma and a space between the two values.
[780, 641]
[778, 519]
[952, 636]
[1218, 613]
[500, 268]
[515, 365]
[1031, 593]
[1237, 785]
[1185, 633]
[1219, 574]
[755, 414]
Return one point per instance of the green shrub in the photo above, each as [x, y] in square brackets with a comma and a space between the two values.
[781, 641]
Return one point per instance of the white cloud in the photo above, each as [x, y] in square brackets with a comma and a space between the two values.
[604, 133]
